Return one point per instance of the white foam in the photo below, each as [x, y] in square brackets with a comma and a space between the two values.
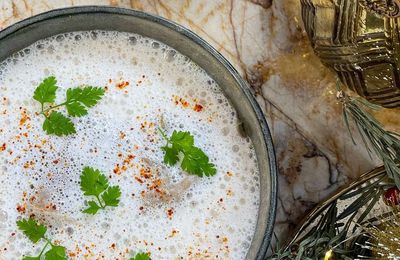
[211, 216]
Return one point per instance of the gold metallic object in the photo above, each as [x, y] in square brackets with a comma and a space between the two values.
[388, 8]
[360, 40]
[328, 255]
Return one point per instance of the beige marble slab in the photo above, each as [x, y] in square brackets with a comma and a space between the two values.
[265, 41]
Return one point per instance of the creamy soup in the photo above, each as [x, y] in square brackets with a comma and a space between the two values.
[163, 210]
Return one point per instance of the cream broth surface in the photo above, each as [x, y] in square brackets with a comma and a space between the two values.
[163, 210]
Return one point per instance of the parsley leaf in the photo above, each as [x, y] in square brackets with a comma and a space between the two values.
[33, 230]
[171, 155]
[56, 123]
[111, 196]
[194, 161]
[93, 183]
[141, 256]
[56, 253]
[76, 109]
[46, 91]
[92, 209]
[182, 140]
[30, 258]
[78, 100]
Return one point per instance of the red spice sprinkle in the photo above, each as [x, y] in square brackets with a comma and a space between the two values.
[198, 108]
[29, 164]
[145, 173]
[24, 118]
[21, 209]
[32, 199]
[51, 206]
[155, 185]
[174, 232]
[141, 207]
[127, 162]
[138, 179]
[122, 84]
[3, 147]
[178, 100]
[117, 169]
[170, 213]
[56, 161]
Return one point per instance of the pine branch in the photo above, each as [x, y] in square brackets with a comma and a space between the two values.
[384, 144]
[334, 230]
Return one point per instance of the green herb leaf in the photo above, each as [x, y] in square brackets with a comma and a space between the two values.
[93, 183]
[46, 91]
[92, 209]
[78, 98]
[33, 230]
[76, 109]
[58, 124]
[171, 155]
[182, 141]
[111, 196]
[30, 258]
[194, 161]
[141, 256]
[56, 253]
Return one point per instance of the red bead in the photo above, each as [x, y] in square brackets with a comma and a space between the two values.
[391, 196]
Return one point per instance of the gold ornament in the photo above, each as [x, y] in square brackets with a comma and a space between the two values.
[384, 239]
[328, 254]
[388, 8]
[360, 40]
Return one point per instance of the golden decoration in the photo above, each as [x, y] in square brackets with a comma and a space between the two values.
[328, 255]
[388, 8]
[384, 240]
[360, 40]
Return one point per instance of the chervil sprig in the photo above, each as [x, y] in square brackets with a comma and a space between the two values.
[77, 102]
[194, 160]
[36, 232]
[141, 256]
[93, 183]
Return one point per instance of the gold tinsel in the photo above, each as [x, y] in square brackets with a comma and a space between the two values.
[384, 241]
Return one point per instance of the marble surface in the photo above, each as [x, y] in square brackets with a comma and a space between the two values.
[265, 41]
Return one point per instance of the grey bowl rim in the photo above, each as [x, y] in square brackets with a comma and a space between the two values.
[245, 88]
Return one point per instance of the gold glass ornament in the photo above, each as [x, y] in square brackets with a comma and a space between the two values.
[360, 40]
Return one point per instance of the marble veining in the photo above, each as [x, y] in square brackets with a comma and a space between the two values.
[266, 42]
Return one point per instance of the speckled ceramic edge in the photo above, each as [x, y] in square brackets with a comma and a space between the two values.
[199, 41]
